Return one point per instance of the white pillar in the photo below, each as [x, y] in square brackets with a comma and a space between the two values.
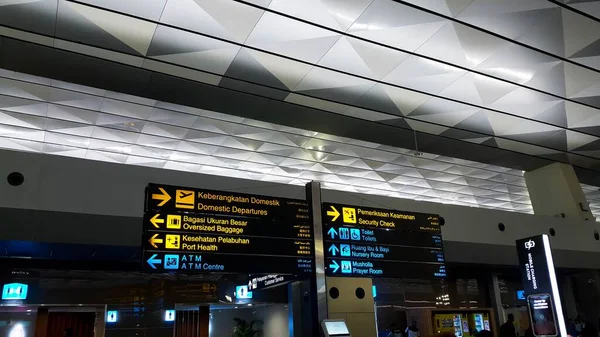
[555, 191]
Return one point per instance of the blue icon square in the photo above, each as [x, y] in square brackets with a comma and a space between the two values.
[112, 316]
[344, 233]
[355, 234]
[169, 315]
[345, 250]
[346, 267]
[14, 291]
[241, 292]
[171, 261]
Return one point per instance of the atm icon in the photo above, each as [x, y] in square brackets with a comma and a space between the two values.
[171, 261]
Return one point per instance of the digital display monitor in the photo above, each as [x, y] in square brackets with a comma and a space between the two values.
[542, 315]
[336, 328]
[521, 295]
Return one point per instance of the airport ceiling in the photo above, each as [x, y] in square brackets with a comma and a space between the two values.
[507, 83]
[53, 117]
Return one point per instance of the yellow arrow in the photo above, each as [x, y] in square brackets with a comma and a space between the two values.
[154, 240]
[164, 196]
[155, 220]
[333, 213]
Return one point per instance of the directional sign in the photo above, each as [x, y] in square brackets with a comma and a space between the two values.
[372, 242]
[153, 261]
[226, 225]
[333, 213]
[381, 252]
[389, 269]
[156, 221]
[377, 218]
[154, 240]
[332, 232]
[230, 244]
[228, 232]
[268, 281]
[162, 197]
[334, 266]
[171, 198]
[191, 263]
[333, 249]
[383, 236]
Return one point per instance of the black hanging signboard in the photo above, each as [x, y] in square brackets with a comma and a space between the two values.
[193, 230]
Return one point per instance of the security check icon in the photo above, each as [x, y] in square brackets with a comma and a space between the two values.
[529, 244]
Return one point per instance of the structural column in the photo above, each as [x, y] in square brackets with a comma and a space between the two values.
[496, 299]
[318, 282]
[555, 191]
[41, 323]
[204, 321]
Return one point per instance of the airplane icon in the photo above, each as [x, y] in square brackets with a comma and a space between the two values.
[184, 199]
[184, 194]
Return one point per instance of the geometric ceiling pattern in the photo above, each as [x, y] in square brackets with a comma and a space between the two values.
[57, 118]
[522, 76]
[590, 8]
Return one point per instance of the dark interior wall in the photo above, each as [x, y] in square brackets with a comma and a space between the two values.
[586, 289]
[95, 229]
[111, 197]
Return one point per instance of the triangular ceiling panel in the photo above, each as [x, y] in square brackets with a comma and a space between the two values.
[246, 67]
[288, 72]
[135, 33]
[578, 33]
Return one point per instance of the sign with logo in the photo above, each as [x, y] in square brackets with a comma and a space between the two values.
[164, 198]
[378, 218]
[373, 242]
[540, 286]
[195, 230]
[242, 293]
[112, 316]
[268, 281]
[14, 291]
[169, 315]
